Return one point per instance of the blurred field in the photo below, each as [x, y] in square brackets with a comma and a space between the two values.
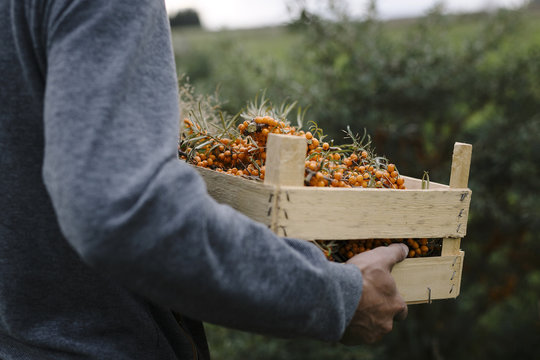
[263, 41]
[278, 42]
[416, 85]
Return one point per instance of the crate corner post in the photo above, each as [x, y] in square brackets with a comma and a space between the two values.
[285, 166]
[285, 160]
[459, 179]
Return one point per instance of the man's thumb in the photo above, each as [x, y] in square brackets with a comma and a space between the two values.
[395, 253]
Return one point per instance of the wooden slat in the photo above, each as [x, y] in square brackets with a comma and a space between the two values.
[312, 213]
[416, 184]
[461, 163]
[253, 199]
[285, 160]
[419, 278]
[459, 178]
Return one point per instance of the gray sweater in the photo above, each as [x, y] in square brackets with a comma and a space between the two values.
[103, 232]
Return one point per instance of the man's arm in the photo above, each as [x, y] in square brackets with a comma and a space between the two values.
[133, 211]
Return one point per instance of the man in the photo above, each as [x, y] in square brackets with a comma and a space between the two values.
[104, 234]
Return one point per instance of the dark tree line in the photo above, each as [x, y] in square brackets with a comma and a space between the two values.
[185, 18]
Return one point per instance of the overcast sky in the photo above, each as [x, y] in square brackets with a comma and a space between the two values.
[216, 14]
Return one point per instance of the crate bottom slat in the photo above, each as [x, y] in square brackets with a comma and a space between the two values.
[421, 280]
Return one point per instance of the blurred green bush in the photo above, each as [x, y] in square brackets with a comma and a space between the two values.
[417, 87]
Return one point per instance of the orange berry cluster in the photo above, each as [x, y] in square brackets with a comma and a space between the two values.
[232, 155]
[260, 127]
[341, 251]
[243, 153]
[325, 168]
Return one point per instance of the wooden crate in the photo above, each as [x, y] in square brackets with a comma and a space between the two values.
[293, 210]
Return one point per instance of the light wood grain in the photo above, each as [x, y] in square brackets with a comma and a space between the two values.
[451, 246]
[416, 184]
[312, 213]
[285, 160]
[421, 280]
[251, 198]
[461, 163]
[459, 178]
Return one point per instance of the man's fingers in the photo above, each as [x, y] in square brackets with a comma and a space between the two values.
[402, 315]
[393, 254]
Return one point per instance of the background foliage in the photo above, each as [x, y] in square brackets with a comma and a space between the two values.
[417, 86]
[185, 18]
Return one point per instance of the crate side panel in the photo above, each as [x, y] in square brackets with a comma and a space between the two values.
[342, 214]
[416, 184]
[433, 278]
[251, 198]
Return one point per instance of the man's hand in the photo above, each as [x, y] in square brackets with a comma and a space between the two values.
[380, 303]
